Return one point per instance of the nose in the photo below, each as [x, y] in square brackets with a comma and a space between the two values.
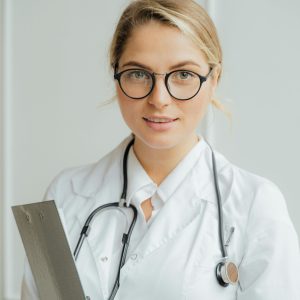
[159, 96]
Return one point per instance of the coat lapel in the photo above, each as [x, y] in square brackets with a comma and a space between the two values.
[186, 203]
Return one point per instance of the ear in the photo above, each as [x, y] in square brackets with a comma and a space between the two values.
[214, 78]
[215, 75]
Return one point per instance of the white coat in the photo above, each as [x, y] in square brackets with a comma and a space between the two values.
[176, 257]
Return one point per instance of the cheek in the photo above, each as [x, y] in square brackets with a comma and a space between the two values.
[123, 102]
[120, 95]
[196, 109]
[129, 109]
[124, 108]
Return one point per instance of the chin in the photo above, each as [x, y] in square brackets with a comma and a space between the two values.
[158, 141]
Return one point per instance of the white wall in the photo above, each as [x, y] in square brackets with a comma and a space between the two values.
[261, 53]
[56, 73]
[1, 144]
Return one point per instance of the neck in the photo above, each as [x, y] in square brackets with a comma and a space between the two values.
[158, 163]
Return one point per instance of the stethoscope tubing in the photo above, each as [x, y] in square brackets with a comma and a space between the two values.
[126, 236]
[220, 210]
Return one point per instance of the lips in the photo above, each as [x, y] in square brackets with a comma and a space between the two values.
[159, 119]
[161, 123]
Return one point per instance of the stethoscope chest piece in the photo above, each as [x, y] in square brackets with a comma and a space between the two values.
[227, 273]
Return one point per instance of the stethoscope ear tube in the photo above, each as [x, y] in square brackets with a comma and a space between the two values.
[220, 211]
[125, 179]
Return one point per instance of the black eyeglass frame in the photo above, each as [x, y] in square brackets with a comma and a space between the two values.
[117, 76]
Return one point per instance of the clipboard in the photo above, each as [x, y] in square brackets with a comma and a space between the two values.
[48, 252]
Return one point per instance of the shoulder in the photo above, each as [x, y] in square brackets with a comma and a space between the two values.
[233, 175]
[245, 181]
[257, 207]
[256, 199]
[244, 193]
[238, 186]
[85, 180]
[261, 192]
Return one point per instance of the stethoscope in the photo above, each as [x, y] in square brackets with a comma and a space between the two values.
[226, 270]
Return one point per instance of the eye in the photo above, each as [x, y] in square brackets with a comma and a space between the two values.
[183, 75]
[137, 75]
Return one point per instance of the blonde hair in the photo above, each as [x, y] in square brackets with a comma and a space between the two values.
[186, 15]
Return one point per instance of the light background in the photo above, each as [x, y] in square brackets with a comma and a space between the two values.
[54, 74]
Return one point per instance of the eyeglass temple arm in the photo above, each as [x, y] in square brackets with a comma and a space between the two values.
[116, 65]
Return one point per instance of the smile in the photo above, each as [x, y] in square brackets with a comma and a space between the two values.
[160, 120]
[160, 124]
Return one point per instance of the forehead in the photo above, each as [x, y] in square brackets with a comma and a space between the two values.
[160, 46]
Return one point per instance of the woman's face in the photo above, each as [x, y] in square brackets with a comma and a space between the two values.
[158, 48]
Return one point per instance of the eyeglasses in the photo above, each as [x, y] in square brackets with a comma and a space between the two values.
[139, 83]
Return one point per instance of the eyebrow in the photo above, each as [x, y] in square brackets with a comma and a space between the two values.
[181, 64]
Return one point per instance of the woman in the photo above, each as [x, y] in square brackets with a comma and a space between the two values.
[167, 62]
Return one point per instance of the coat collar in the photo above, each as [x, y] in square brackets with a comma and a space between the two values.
[88, 180]
[139, 179]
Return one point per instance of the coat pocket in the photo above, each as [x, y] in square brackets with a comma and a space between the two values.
[200, 280]
[202, 284]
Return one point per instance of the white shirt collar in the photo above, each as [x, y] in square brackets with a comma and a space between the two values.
[141, 186]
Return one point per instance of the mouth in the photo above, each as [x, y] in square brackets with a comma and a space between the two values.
[159, 120]
[160, 124]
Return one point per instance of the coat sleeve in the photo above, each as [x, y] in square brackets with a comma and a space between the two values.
[28, 289]
[270, 267]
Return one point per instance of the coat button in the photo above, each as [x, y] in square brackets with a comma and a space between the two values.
[134, 256]
[104, 259]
